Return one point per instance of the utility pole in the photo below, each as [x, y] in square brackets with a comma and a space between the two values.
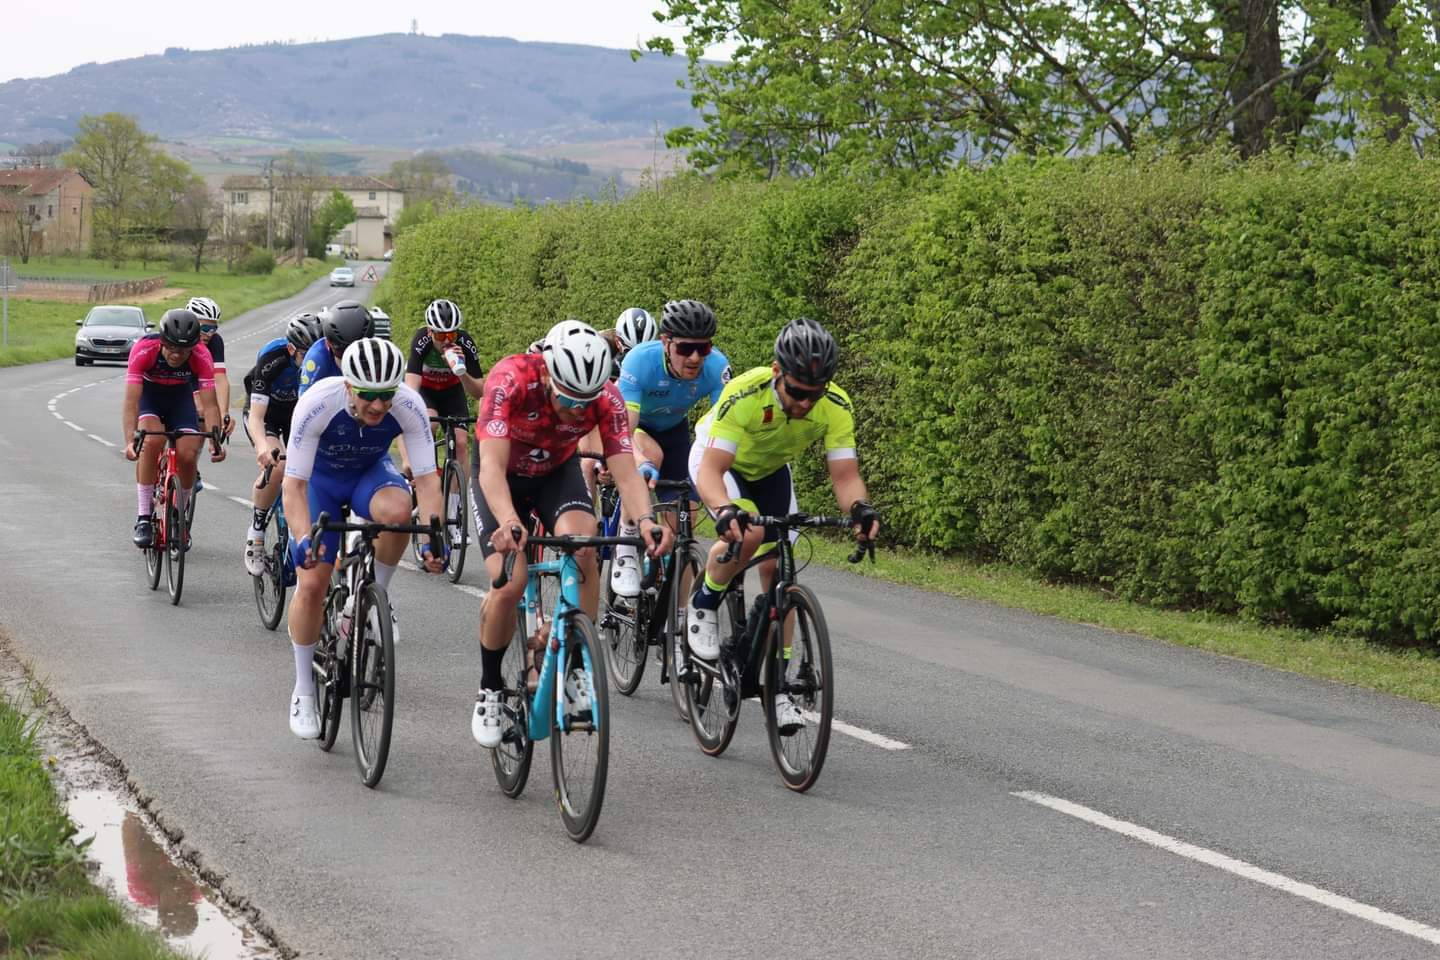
[270, 204]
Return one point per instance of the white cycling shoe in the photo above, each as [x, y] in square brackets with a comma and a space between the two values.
[486, 718]
[788, 717]
[577, 692]
[255, 554]
[304, 718]
[625, 577]
[702, 631]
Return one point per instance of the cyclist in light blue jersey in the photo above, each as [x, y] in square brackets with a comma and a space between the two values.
[660, 381]
[342, 325]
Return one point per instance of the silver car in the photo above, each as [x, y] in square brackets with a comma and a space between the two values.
[108, 332]
[342, 277]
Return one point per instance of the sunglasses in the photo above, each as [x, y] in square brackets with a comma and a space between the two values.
[802, 393]
[570, 403]
[370, 396]
[443, 336]
[209, 327]
[690, 349]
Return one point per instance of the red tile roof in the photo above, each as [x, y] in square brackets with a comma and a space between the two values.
[34, 182]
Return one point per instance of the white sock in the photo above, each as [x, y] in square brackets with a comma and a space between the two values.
[145, 496]
[304, 678]
[624, 550]
[383, 573]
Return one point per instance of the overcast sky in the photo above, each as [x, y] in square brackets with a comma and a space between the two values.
[59, 36]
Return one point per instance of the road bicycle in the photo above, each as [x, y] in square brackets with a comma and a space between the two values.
[780, 646]
[455, 489]
[279, 573]
[355, 655]
[570, 704]
[629, 626]
[170, 523]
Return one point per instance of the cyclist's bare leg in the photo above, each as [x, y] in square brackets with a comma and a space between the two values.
[581, 523]
[308, 603]
[462, 448]
[390, 505]
[148, 466]
[590, 443]
[187, 452]
[724, 573]
[497, 610]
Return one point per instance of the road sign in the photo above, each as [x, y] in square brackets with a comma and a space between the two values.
[370, 276]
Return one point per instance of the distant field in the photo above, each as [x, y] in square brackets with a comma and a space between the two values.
[78, 267]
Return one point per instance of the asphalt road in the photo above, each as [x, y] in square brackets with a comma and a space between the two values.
[1311, 808]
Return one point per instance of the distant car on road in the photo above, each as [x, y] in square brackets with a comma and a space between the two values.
[342, 277]
[108, 332]
[390, 254]
[382, 322]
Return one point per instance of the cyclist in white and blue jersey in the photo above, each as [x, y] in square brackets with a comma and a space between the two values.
[271, 389]
[339, 456]
[342, 325]
[660, 381]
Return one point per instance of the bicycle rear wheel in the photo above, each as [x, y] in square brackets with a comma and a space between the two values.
[456, 491]
[511, 760]
[372, 683]
[270, 585]
[714, 715]
[805, 675]
[176, 533]
[329, 670]
[624, 623]
[580, 746]
[684, 575]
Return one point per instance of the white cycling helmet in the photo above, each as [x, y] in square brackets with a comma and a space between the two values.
[635, 326]
[371, 363]
[442, 316]
[578, 359]
[204, 309]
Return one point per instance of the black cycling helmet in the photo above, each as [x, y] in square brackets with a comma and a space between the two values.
[179, 328]
[302, 330]
[806, 351]
[345, 323]
[687, 318]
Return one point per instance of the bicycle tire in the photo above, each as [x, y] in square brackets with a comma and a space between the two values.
[672, 640]
[800, 756]
[176, 531]
[155, 553]
[372, 683]
[712, 720]
[329, 693]
[622, 633]
[458, 484]
[270, 585]
[511, 760]
[580, 754]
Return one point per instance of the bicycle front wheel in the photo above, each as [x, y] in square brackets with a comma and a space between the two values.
[456, 490]
[580, 743]
[155, 553]
[177, 531]
[712, 691]
[805, 677]
[623, 626]
[329, 673]
[685, 574]
[372, 683]
[511, 760]
[270, 585]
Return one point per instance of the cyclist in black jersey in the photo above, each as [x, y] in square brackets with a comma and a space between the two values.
[444, 366]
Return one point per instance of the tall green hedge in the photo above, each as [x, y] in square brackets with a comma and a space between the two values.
[1196, 382]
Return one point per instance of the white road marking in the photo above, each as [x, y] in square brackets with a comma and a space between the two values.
[242, 501]
[1239, 868]
[472, 591]
[57, 415]
[859, 733]
[72, 426]
[99, 439]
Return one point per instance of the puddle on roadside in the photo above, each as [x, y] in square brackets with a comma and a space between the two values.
[161, 893]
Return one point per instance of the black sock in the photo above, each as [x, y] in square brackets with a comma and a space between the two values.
[492, 670]
[705, 597]
[261, 515]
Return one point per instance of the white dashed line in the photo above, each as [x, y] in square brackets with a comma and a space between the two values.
[1239, 868]
[242, 501]
[859, 733]
[72, 426]
[472, 591]
[99, 439]
[57, 415]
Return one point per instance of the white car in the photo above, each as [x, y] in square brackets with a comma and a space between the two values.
[342, 277]
[390, 254]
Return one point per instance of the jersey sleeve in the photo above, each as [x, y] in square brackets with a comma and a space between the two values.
[203, 367]
[727, 428]
[719, 366]
[418, 343]
[409, 411]
[839, 426]
[472, 356]
[614, 423]
[502, 392]
[216, 346]
[263, 377]
[630, 375]
[141, 357]
[312, 415]
[310, 366]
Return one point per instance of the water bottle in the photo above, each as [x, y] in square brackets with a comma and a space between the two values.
[347, 614]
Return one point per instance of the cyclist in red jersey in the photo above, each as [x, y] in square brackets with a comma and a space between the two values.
[534, 411]
[166, 371]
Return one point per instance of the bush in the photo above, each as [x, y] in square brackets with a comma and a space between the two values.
[257, 260]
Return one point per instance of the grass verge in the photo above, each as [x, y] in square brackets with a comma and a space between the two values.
[48, 907]
[1414, 674]
[45, 330]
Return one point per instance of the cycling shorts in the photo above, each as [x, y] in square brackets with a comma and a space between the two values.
[277, 420]
[674, 443]
[173, 406]
[449, 402]
[329, 494]
[560, 491]
[771, 495]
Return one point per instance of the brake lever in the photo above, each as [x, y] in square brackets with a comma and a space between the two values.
[508, 567]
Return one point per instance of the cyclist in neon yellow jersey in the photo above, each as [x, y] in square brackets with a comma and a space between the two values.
[740, 464]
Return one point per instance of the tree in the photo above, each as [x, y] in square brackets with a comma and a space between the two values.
[413, 215]
[111, 151]
[196, 214]
[923, 84]
[19, 225]
[337, 211]
[425, 176]
[295, 179]
[163, 183]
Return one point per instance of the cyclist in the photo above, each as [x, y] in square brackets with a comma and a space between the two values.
[208, 313]
[272, 386]
[339, 456]
[342, 324]
[534, 412]
[166, 370]
[740, 464]
[445, 368]
[661, 380]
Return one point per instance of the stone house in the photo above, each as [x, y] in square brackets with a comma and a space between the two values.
[377, 205]
[57, 202]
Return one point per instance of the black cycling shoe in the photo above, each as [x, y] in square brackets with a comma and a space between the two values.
[144, 533]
